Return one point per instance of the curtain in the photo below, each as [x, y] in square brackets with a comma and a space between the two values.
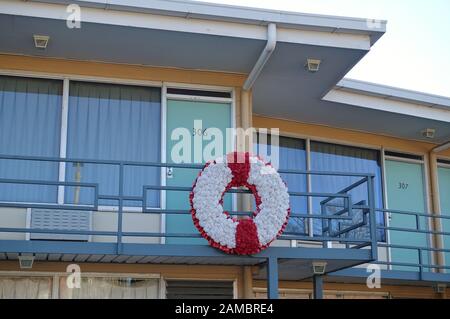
[30, 121]
[340, 158]
[292, 155]
[113, 122]
[111, 288]
[25, 288]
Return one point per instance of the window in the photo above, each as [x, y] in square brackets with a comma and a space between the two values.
[111, 288]
[341, 158]
[30, 121]
[105, 122]
[326, 157]
[201, 289]
[292, 156]
[113, 122]
[25, 287]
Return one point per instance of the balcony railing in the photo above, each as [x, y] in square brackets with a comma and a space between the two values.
[341, 221]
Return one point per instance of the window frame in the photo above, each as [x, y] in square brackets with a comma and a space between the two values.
[65, 79]
[162, 85]
[56, 276]
[311, 138]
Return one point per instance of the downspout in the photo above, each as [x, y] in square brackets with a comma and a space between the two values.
[246, 93]
[245, 202]
[264, 56]
[435, 198]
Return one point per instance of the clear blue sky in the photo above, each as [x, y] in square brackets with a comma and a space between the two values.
[413, 54]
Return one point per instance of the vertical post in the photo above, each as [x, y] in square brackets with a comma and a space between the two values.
[318, 286]
[248, 282]
[421, 264]
[436, 222]
[244, 145]
[309, 188]
[120, 211]
[322, 213]
[372, 217]
[272, 278]
[63, 141]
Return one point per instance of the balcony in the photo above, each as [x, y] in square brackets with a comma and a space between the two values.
[343, 232]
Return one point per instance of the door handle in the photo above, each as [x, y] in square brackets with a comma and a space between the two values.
[169, 172]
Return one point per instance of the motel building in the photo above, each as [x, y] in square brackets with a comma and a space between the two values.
[95, 102]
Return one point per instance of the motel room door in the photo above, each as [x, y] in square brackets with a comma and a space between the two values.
[405, 190]
[444, 195]
[186, 114]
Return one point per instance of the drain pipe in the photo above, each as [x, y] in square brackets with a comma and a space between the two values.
[246, 102]
[264, 57]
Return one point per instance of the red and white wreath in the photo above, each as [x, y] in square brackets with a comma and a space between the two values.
[245, 236]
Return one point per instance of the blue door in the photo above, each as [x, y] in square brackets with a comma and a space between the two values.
[406, 192]
[185, 115]
[444, 195]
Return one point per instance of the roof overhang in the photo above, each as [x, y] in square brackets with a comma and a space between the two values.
[201, 36]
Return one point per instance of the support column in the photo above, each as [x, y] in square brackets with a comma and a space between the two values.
[436, 223]
[248, 282]
[272, 278]
[318, 286]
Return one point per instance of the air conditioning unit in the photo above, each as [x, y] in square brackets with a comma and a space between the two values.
[58, 219]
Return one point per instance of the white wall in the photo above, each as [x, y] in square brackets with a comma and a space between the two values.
[101, 221]
[13, 218]
[132, 222]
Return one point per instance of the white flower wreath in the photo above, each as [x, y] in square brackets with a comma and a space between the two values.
[240, 236]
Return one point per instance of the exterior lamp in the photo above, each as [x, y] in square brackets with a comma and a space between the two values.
[313, 65]
[26, 262]
[319, 267]
[41, 41]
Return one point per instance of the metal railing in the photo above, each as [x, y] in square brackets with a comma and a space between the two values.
[325, 236]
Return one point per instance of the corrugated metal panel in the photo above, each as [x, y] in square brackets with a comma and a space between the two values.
[81, 258]
[146, 260]
[161, 259]
[120, 259]
[40, 257]
[57, 219]
[188, 289]
[134, 259]
[54, 257]
[107, 258]
[67, 257]
[12, 256]
[94, 258]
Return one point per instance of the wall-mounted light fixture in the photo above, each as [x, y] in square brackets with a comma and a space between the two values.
[429, 133]
[319, 267]
[312, 65]
[41, 41]
[26, 262]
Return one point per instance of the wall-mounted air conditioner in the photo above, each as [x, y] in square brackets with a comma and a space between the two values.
[58, 219]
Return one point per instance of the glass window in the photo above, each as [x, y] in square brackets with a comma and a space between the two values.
[444, 194]
[30, 121]
[113, 122]
[292, 156]
[341, 158]
[110, 288]
[25, 287]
